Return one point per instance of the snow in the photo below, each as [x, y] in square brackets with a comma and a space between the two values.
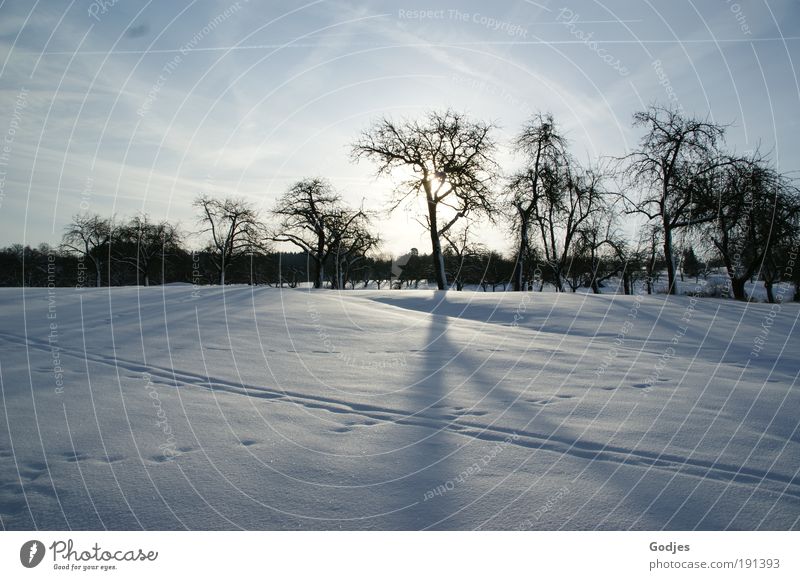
[258, 408]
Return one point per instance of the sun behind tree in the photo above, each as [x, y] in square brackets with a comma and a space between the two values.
[450, 159]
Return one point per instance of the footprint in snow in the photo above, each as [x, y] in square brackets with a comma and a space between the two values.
[541, 402]
[31, 471]
[75, 456]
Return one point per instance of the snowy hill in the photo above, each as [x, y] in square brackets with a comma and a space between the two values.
[211, 408]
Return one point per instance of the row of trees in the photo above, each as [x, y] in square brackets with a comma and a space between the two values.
[565, 220]
[311, 215]
[475, 266]
[46, 265]
[738, 208]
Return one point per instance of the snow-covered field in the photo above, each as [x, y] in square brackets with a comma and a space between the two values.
[259, 408]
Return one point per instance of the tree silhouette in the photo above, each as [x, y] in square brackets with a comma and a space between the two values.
[444, 157]
[756, 209]
[545, 151]
[314, 218]
[234, 227]
[89, 236]
[674, 157]
[140, 243]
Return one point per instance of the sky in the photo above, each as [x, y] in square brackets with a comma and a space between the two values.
[118, 107]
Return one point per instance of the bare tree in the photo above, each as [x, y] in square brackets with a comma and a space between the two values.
[351, 240]
[675, 153]
[583, 199]
[650, 237]
[141, 243]
[234, 227]
[545, 150]
[462, 252]
[314, 218]
[89, 236]
[756, 211]
[449, 159]
[602, 247]
[569, 197]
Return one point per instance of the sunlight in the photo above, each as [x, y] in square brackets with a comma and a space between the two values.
[438, 184]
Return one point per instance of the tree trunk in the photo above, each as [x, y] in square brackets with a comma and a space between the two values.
[441, 274]
[671, 289]
[770, 293]
[319, 273]
[222, 276]
[523, 246]
[436, 247]
[559, 282]
[737, 285]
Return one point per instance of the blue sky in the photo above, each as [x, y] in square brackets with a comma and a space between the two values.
[121, 107]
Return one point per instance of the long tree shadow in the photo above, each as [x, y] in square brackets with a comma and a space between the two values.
[427, 468]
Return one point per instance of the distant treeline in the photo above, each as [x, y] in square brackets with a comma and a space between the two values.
[45, 266]
[53, 266]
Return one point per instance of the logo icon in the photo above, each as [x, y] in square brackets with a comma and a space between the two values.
[31, 553]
